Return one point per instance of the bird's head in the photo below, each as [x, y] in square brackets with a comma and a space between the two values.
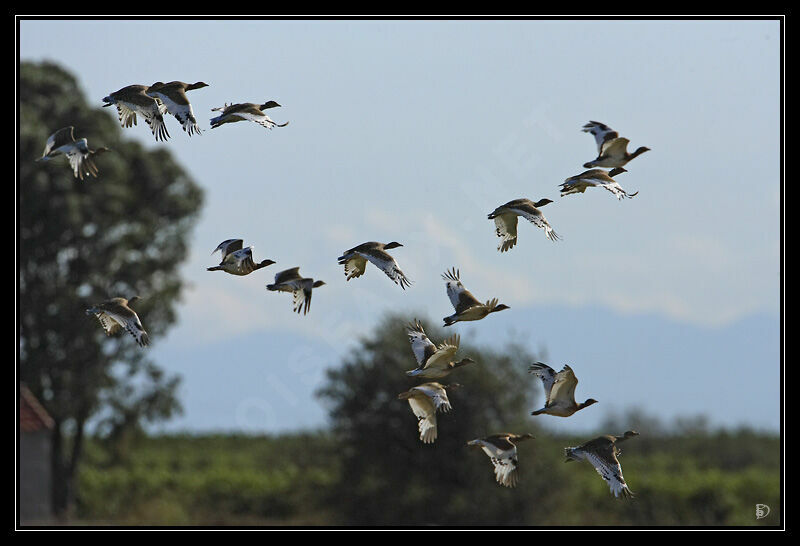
[464, 361]
[542, 202]
[393, 244]
[269, 104]
[317, 284]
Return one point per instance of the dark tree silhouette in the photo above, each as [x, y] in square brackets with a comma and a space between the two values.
[388, 476]
[123, 233]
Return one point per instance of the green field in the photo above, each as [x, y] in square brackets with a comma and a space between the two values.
[703, 479]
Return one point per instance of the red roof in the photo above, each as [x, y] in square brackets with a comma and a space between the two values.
[32, 416]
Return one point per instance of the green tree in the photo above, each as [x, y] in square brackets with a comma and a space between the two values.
[80, 242]
[388, 476]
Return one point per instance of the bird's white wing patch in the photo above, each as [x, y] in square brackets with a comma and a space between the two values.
[127, 113]
[580, 185]
[153, 116]
[133, 326]
[421, 407]
[454, 291]
[110, 326]
[182, 112]
[617, 190]
[388, 265]
[228, 246]
[611, 473]
[426, 417]
[76, 158]
[601, 133]
[422, 346]
[262, 120]
[506, 229]
[505, 465]
[539, 221]
[437, 396]
[301, 299]
[546, 374]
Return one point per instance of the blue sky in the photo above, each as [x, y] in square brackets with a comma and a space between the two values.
[415, 130]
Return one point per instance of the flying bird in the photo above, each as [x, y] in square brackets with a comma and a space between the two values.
[425, 400]
[502, 450]
[596, 178]
[602, 453]
[116, 314]
[80, 157]
[433, 362]
[559, 389]
[290, 280]
[612, 150]
[237, 260]
[505, 220]
[466, 305]
[355, 261]
[173, 96]
[246, 111]
[601, 132]
[133, 100]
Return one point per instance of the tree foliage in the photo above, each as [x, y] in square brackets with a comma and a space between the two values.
[388, 476]
[81, 242]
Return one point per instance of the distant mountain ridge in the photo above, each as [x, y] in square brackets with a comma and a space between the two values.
[731, 373]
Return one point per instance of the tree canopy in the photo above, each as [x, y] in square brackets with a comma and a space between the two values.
[123, 233]
[388, 475]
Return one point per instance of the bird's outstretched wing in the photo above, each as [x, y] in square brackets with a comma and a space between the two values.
[602, 133]
[422, 346]
[610, 470]
[547, 375]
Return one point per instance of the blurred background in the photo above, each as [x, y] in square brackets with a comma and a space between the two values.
[241, 412]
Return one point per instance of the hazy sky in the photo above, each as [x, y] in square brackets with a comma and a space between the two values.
[415, 130]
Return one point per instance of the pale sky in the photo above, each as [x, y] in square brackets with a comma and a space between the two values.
[414, 131]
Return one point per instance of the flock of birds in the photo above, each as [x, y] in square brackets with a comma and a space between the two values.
[434, 362]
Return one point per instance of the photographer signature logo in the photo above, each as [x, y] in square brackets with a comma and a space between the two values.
[762, 511]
